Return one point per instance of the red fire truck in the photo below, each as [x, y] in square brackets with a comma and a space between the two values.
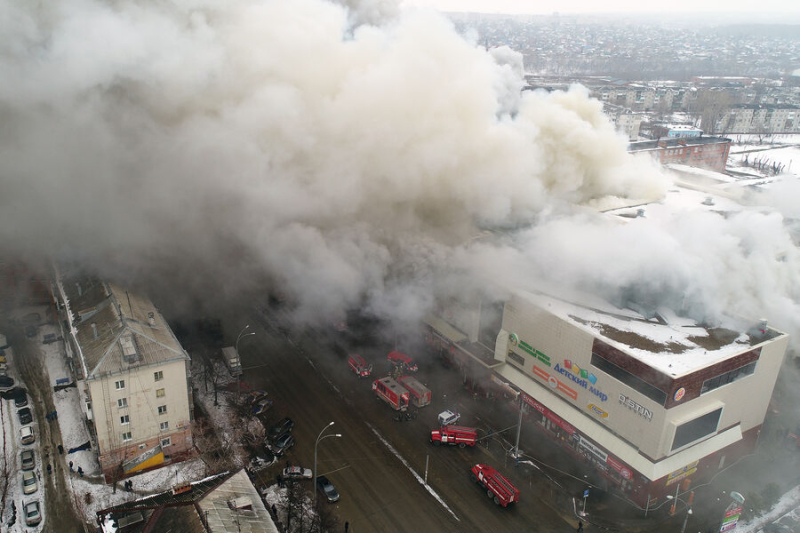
[497, 487]
[402, 360]
[359, 366]
[391, 392]
[420, 394]
[454, 435]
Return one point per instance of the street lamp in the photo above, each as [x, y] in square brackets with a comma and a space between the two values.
[239, 359]
[688, 511]
[319, 438]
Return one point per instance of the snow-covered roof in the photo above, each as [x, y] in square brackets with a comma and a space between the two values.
[117, 329]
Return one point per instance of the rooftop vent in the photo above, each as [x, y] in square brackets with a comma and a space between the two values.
[242, 502]
[151, 318]
[640, 213]
[128, 349]
[181, 489]
[708, 201]
[94, 329]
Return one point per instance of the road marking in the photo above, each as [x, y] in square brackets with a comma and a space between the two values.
[419, 479]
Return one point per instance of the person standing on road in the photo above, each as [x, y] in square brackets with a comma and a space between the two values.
[580, 527]
[346, 526]
[70, 467]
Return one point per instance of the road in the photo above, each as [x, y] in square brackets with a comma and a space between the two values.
[59, 515]
[310, 382]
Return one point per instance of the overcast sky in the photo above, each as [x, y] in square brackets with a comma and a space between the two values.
[609, 6]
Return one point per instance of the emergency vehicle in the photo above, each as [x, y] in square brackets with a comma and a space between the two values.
[359, 366]
[454, 435]
[496, 486]
[420, 394]
[392, 393]
[402, 360]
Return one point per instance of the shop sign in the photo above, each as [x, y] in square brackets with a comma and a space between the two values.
[514, 340]
[596, 410]
[554, 382]
[681, 473]
[576, 374]
[638, 408]
[732, 514]
[619, 467]
[594, 449]
[679, 394]
[557, 420]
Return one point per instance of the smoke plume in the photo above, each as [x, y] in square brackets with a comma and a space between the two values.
[341, 155]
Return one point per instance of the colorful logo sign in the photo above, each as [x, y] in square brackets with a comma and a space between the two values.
[513, 339]
[554, 382]
[581, 377]
[679, 394]
[681, 473]
[596, 410]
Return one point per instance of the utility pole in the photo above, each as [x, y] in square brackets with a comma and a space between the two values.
[519, 430]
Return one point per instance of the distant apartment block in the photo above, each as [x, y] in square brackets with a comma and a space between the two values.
[759, 118]
[705, 152]
[132, 373]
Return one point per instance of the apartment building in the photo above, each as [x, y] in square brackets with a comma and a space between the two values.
[132, 373]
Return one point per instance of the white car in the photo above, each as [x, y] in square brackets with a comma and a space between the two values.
[448, 417]
[33, 513]
[29, 485]
[297, 472]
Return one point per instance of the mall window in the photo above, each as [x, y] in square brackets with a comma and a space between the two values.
[162, 409]
[163, 426]
[126, 436]
[122, 402]
[160, 393]
[696, 429]
[728, 377]
[125, 420]
[158, 375]
[166, 442]
[629, 379]
[119, 385]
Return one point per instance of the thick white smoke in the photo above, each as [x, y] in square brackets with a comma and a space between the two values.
[343, 155]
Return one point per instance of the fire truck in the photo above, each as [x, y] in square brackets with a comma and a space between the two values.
[359, 366]
[454, 435]
[496, 486]
[400, 359]
[420, 394]
[392, 393]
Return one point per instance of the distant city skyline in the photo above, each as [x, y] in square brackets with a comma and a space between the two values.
[609, 6]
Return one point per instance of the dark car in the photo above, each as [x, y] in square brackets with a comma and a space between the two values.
[28, 460]
[6, 383]
[281, 428]
[25, 416]
[282, 444]
[327, 488]
[20, 398]
[31, 331]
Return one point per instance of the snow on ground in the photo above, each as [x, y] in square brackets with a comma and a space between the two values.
[787, 506]
[279, 497]
[760, 140]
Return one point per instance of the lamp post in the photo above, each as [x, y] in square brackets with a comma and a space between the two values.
[688, 504]
[319, 438]
[238, 358]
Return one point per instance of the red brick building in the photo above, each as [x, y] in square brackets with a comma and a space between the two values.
[703, 152]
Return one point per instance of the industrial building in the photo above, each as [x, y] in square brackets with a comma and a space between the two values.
[702, 151]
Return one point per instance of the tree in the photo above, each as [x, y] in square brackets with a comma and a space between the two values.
[710, 107]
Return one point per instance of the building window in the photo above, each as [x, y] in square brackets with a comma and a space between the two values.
[163, 426]
[166, 442]
[158, 376]
[696, 429]
[126, 436]
[162, 409]
[728, 377]
[655, 394]
[516, 358]
[159, 393]
[124, 419]
[119, 385]
[122, 402]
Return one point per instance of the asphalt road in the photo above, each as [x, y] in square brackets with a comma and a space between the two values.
[310, 382]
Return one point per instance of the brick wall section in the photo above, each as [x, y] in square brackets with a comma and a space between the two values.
[693, 382]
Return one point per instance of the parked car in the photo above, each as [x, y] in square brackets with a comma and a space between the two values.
[448, 417]
[26, 435]
[282, 444]
[262, 406]
[20, 397]
[25, 415]
[297, 472]
[255, 396]
[327, 488]
[28, 460]
[259, 463]
[31, 331]
[6, 383]
[33, 514]
[281, 428]
[29, 485]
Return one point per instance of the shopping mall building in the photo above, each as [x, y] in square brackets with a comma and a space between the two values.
[650, 401]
